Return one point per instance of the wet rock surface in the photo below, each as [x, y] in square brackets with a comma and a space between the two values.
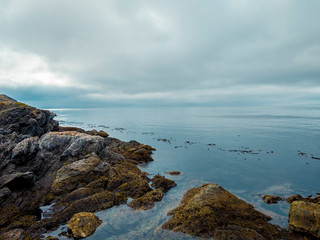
[83, 224]
[71, 169]
[212, 211]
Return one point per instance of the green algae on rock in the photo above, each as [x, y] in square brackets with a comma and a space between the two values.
[83, 224]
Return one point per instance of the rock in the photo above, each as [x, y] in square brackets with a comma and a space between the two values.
[147, 201]
[163, 183]
[212, 211]
[4, 193]
[294, 198]
[83, 224]
[174, 172]
[23, 119]
[16, 234]
[305, 217]
[17, 181]
[25, 149]
[271, 199]
[71, 175]
[51, 238]
[73, 129]
[71, 144]
[135, 188]
[102, 133]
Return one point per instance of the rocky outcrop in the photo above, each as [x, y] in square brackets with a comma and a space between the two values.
[23, 119]
[83, 224]
[305, 217]
[212, 211]
[72, 169]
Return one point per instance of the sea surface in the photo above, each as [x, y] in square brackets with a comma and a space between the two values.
[248, 151]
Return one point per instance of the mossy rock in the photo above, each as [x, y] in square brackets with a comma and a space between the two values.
[83, 224]
[209, 209]
[147, 201]
[135, 188]
[305, 217]
[163, 183]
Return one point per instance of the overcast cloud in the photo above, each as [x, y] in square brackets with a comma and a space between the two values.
[95, 53]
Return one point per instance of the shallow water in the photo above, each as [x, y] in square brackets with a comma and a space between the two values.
[250, 152]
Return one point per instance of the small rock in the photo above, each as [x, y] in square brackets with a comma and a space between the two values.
[83, 224]
[102, 133]
[174, 172]
[294, 198]
[305, 217]
[51, 238]
[162, 183]
[271, 199]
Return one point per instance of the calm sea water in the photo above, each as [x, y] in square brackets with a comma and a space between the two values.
[248, 151]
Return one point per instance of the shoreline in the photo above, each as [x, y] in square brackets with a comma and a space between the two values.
[50, 141]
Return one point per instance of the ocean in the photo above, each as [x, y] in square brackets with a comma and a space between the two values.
[248, 151]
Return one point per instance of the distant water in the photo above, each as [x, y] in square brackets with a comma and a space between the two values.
[248, 151]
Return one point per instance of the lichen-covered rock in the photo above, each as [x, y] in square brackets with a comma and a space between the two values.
[305, 217]
[163, 183]
[271, 199]
[83, 224]
[147, 201]
[210, 211]
[79, 172]
[294, 198]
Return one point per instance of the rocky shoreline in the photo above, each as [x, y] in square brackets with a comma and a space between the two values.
[79, 172]
[69, 168]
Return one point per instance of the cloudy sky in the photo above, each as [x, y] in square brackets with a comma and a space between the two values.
[59, 53]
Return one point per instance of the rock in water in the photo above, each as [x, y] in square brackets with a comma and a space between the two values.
[83, 224]
[147, 201]
[305, 217]
[212, 211]
[271, 199]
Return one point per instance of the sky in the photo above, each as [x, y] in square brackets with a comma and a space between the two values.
[101, 53]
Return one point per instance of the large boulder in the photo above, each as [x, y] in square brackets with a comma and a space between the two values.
[212, 211]
[305, 217]
[79, 172]
[83, 224]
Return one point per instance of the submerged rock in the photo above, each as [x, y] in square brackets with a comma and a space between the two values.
[271, 199]
[305, 217]
[83, 224]
[212, 211]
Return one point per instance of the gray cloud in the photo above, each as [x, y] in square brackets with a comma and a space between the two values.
[165, 50]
